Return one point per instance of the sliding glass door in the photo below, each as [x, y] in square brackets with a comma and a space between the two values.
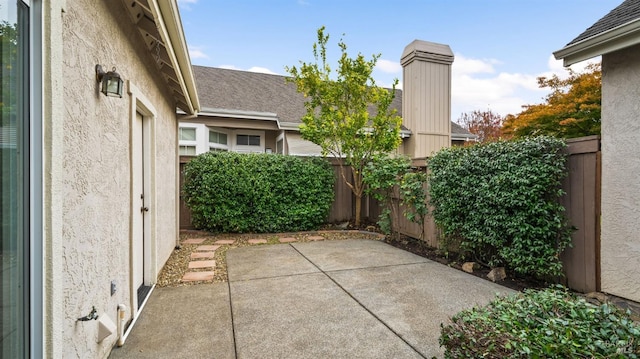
[15, 160]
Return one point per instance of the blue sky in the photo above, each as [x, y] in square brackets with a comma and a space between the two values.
[500, 46]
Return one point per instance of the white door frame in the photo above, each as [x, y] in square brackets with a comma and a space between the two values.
[145, 223]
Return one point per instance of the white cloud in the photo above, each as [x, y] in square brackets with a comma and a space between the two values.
[388, 66]
[263, 70]
[229, 67]
[197, 53]
[478, 85]
[259, 69]
[186, 4]
[464, 65]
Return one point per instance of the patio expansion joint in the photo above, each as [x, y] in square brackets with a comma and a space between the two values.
[360, 303]
[368, 267]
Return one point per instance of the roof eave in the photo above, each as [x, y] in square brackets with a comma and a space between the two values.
[167, 20]
[605, 42]
[251, 115]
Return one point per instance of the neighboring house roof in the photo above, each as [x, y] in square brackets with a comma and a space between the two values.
[619, 29]
[159, 24]
[244, 94]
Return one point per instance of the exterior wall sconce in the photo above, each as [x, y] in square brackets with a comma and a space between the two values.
[112, 83]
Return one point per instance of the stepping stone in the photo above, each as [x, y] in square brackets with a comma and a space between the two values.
[257, 241]
[225, 241]
[196, 276]
[207, 248]
[197, 255]
[202, 264]
[315, 238]
[193, 241]
[287, 240]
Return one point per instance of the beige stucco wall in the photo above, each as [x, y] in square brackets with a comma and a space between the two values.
[620, 237]
[87, 161]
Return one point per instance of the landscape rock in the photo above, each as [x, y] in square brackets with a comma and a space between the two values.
[344, 225]
[497, 274]
[469, 267]
[600, 297]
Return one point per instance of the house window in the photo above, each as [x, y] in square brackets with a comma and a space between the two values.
[248, 140]
[217, 138]
[186, 134]
[187, 150]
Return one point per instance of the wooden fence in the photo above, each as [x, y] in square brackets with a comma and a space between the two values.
[582, 202]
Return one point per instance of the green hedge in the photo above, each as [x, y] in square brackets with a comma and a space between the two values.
[499, 203]
[551, 323]
[232, 192]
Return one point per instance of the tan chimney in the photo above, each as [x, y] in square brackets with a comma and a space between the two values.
[426, 97]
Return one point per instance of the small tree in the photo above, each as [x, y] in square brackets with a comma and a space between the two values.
[338, 117]
[487, 125]
[572, 109]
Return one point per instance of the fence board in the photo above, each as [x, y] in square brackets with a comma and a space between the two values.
[582, 202]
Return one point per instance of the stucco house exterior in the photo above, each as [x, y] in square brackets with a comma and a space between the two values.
[89, 182]
[616, 37]
[255, 112]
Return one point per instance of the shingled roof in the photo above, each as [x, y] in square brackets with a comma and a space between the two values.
[224, 90]
[626, 12]
[617, 30]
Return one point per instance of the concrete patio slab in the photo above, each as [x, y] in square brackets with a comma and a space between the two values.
[356, 253]
[330, 299]
[266, 261]
[182, 322]
[307, 316]
[410, 299]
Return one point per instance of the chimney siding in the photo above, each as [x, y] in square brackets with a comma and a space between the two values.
[426, 102]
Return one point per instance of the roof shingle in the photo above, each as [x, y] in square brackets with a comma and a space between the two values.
[626, 12]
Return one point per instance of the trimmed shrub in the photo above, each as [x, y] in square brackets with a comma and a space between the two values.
[499, 203]
[551, 323]
[232, 192]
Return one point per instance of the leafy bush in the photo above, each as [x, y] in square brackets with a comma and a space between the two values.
[500, 201]
[382, 175]
[232, 192]
[551, 323]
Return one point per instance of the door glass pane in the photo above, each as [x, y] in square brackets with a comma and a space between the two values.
[14, 119]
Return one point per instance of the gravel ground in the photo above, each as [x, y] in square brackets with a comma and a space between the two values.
[177, 264]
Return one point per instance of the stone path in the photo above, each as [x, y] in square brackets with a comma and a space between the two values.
[202, 257]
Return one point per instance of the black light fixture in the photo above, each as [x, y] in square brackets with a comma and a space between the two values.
[112, 83]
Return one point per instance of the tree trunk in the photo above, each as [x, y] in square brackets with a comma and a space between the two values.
[358, 210]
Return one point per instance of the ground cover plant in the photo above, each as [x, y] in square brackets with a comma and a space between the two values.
[237, 193]
[550, 323]
[498, 203]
